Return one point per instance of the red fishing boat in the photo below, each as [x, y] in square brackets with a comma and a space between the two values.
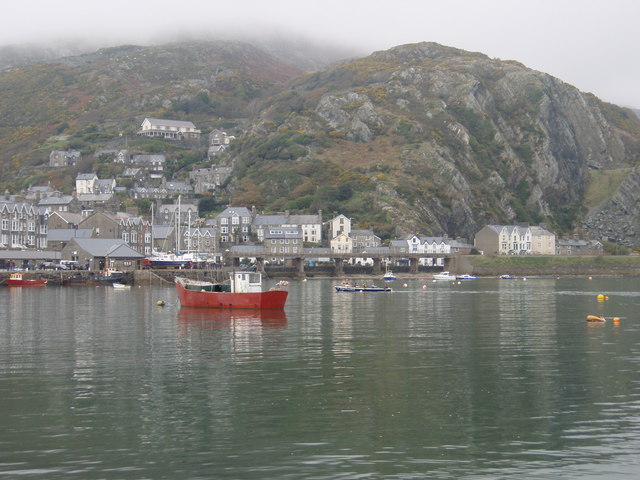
[244, 290]
[17, 280]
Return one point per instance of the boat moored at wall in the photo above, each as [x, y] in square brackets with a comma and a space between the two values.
[18, 280]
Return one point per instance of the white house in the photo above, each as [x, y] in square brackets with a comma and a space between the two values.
[85, 183]
[173, 129]
[342, 243]
[338, 225]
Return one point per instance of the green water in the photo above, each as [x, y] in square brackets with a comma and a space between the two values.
[483, 379]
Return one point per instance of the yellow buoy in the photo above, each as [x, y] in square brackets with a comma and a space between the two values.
[601, 298]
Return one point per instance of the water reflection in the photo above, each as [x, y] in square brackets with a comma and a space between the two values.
[485, 379]
[214, 318]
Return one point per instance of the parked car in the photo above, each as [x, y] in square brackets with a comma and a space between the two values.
[51, 266]
[69, 265]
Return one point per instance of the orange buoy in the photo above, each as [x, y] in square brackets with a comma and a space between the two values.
[595, 318]
[616, 320]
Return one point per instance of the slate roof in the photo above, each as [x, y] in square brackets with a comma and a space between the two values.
[66, 234]
[107, 247]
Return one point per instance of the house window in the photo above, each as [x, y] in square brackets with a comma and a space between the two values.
[125, 236]
[224, 221]
[235, 220]
[5, 224]
[225, 238]
[32, 226]
[224, 229]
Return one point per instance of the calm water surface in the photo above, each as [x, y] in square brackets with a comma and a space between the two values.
[485, 379]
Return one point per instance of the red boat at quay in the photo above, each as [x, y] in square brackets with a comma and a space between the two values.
[244, 290]
[17, 280]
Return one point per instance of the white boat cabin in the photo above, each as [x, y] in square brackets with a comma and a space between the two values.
[246, 282]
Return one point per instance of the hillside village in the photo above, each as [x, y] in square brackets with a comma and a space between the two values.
[87, 227]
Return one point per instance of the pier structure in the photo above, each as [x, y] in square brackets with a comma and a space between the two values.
[298, 260]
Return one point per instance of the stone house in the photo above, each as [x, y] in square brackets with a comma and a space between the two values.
[164, 238]
[99, 253]
[363, 239]
[154, 163]
[208, 179]
[58, 238]
[106, 185]
[574, 246]
[61, 203]
[167, 213]
[170, 129]
[23, 226]
[234, 225]
[122, 156]
[133, 230]
[178, 188]
[262, 223]
[201, 240]
[310, 225]
[156, 193]
[64, 158]
[218, 137]
[283, 240]
[64, 220]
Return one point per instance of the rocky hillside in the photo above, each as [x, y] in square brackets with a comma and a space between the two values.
[419, 138]
[442, 140]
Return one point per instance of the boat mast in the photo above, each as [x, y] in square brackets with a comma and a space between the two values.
[177, 217]
[151, 228]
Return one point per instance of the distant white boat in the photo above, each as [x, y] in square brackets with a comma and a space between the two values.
[121, 286]
[465, 276]
[444, 276]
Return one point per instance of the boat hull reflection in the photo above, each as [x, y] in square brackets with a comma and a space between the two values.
[265, 318]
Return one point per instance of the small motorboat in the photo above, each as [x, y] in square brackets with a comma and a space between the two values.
[446, 276]
[507, 276]
[17, 280]
[595, 318]
[121, 286]
[363, 288]
[465, 276]
[389, 276]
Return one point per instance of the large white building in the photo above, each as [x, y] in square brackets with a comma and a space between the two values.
[173, 129]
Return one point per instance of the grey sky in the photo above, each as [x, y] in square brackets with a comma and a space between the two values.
[592, 44]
